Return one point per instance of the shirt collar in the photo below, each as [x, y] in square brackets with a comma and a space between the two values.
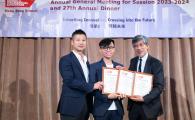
[144, 58]
[79, 56]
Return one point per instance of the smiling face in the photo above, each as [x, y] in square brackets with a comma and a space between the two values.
[140, 48]
[79, 42]
[108, 51]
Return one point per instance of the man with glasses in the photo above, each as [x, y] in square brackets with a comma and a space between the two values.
[106, 107]
[149, 106]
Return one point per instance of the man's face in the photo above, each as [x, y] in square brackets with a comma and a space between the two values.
[108, 51]
[140, 48]
[79, 42]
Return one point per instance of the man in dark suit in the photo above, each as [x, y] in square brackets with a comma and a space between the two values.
[76, 101]
[106, 107]
[146, 107]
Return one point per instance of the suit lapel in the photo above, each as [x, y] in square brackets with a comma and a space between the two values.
[114, 64]
[102, 63]
[134, 64]
[76, 61]
[88, 65]
[147, 68]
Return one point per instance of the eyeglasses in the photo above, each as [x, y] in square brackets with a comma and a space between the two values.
[107, 47]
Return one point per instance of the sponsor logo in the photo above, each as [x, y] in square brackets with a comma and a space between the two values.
[19, 3]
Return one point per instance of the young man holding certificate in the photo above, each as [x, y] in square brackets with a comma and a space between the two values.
[106, 106]
[75, 101]
[147, 107]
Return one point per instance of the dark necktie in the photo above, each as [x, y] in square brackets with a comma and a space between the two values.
[140, 65]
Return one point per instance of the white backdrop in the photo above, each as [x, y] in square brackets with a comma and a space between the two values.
[99, 18]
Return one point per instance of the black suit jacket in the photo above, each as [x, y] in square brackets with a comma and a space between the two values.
[75, 89]
[101, 101]
[152, 105]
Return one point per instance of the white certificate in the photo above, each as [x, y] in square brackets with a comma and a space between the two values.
[125, 82]
[110, 80]
[142, 84]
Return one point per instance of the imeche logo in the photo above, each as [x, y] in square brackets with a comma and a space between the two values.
[19, 3]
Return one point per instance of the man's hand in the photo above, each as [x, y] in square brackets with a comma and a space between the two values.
[98, 85]
[118, 67]
[137, 98]
[113, 96]
[122, 96]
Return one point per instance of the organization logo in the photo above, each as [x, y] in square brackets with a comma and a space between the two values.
[19, 3]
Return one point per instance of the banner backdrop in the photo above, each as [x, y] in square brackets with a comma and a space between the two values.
[99, 18]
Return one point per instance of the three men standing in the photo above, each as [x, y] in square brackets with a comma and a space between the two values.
[79, 86]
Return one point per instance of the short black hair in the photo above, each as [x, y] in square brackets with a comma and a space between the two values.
[138, 38]
[79, 31]
[105, 42]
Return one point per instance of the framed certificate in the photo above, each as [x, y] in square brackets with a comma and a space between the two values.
[125, 82]
[109, 78]
[142, 84]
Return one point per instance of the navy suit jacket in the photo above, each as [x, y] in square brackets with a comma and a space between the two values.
[75, 89]
[152, 105]
[101, 101]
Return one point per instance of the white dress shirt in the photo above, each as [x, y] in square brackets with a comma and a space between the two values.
[83, 63]
[144, 58]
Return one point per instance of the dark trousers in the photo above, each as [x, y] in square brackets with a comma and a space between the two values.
[137, 113]
[110, 115]
[84, 115]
